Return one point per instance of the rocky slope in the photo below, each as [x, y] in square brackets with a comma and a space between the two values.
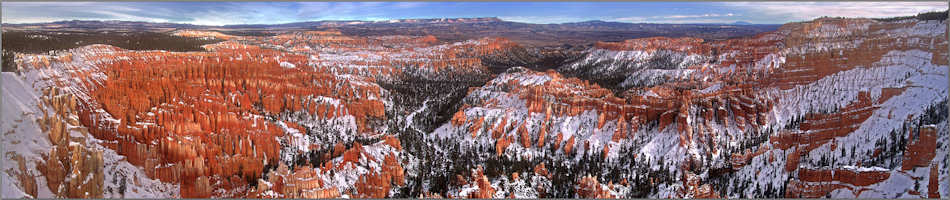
[318, 114]
[782, 114]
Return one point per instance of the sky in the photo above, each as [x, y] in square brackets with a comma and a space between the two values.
[226, 13]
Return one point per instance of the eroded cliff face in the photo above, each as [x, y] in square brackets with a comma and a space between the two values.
[789, 113]
[216, 122]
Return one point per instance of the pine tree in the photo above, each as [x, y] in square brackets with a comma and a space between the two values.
[843, 152]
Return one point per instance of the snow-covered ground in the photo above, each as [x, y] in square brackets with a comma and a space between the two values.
[22, 137]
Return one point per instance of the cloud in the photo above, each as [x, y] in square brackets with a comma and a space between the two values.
[680, 19]
[409, 5]
[798, 11]
[117, 15]
[695, 16]
[201, 13]
[543, 19]
[783, 12]
[222, 13]
[212, 13]
[352, 10]
[632, 19]
[30, 12]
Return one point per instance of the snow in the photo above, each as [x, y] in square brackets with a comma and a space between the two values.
[411, 116]
[298, 140]
[640, 67]
[864, 169]
[531, 79]
[771, 61]
[710, 89]
[287, 65]
[22, 135]
[929, 29]
[925, 84]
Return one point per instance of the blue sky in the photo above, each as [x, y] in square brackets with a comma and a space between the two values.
[223, 13]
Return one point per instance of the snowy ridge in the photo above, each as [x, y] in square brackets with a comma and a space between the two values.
[23, 138]
[641, 66]
[893, 90]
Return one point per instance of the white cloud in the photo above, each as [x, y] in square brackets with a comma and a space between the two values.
[217, 19]
[680, 19]
[543, 19]
[200, 14]
[783, 12]
[798, 11]
[113, 15]
[695, 16]
[36, 19]
[222, 13]
[631, 19]
[349, 10]
[409, 4]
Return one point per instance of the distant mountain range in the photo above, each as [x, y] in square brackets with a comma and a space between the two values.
[145, 25]
[451, 29]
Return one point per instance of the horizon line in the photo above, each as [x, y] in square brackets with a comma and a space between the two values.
[486, 17]
[385, 20]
